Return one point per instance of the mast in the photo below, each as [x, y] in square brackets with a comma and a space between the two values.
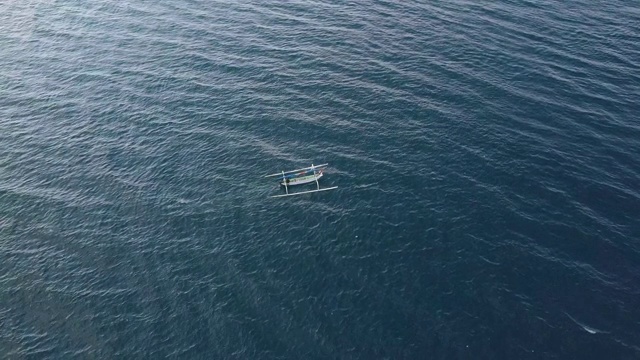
[284, 181]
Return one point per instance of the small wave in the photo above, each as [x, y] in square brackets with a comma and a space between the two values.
[589, 329]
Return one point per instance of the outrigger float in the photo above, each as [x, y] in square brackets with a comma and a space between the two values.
[299, 177]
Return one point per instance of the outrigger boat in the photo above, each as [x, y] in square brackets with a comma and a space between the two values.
[299, 177]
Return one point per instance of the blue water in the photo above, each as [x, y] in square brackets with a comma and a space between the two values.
[487, 156]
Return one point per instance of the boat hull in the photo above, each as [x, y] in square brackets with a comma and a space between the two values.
[301, 180]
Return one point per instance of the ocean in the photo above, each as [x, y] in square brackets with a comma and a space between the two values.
[487, 157]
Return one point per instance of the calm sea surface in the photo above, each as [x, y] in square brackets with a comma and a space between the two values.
[487, 156]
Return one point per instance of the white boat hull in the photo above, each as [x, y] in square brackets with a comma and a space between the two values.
[302, 179]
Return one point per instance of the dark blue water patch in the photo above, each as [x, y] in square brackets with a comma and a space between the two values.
[484, 156]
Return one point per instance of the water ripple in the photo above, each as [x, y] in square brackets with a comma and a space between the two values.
[485, 156]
